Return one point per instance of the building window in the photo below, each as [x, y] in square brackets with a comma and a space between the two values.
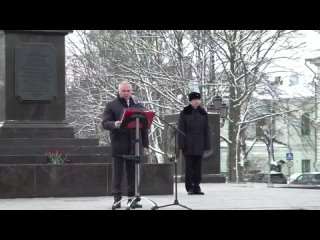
[305, 124]
[294, 80]
[305, 165]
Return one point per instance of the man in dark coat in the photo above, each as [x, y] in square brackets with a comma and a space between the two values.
[193, 121]
[122, 142]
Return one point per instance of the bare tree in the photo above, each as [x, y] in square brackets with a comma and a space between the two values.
[242, 57]
[163, 67]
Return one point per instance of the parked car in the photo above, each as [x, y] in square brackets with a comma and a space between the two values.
[311, 178]
[293, 177]
[263, 177]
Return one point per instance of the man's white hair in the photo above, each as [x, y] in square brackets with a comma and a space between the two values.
[124, 83]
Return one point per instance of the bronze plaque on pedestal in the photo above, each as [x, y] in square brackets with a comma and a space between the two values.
[35, 72]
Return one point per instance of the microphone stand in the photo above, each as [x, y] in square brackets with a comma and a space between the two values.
[174, 158]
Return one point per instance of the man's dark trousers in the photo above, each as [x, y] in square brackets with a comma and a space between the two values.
[118, 163]
[193, 172]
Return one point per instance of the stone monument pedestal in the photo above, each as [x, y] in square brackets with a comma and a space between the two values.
[35, 129]
[32, 123]
[32, 84]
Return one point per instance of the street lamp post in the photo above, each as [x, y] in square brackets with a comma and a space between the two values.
[220, 107]
[217, 100]
[223, 113]
[270, 149]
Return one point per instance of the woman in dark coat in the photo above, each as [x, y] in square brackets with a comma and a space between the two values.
[193, 121]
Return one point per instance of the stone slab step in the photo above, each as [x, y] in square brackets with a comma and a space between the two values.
[38, 131]
[42, 159]
[9, 142]
[66, 149]
[77, 180]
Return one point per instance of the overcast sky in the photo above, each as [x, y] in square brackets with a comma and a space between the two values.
[310, 50]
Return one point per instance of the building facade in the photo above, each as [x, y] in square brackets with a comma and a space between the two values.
[295, 127]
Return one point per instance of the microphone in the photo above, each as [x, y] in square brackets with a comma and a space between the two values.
[136, 99]
[174, 129]
[139, 104]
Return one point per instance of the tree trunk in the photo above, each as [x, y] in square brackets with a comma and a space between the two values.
[232, 158]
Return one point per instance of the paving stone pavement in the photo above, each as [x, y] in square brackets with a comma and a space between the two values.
[218, 196]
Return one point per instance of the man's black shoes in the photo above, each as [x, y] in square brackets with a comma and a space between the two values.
[134, 204]
[116, 205]
[116, 202]
[195, 193]
[198, 193]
